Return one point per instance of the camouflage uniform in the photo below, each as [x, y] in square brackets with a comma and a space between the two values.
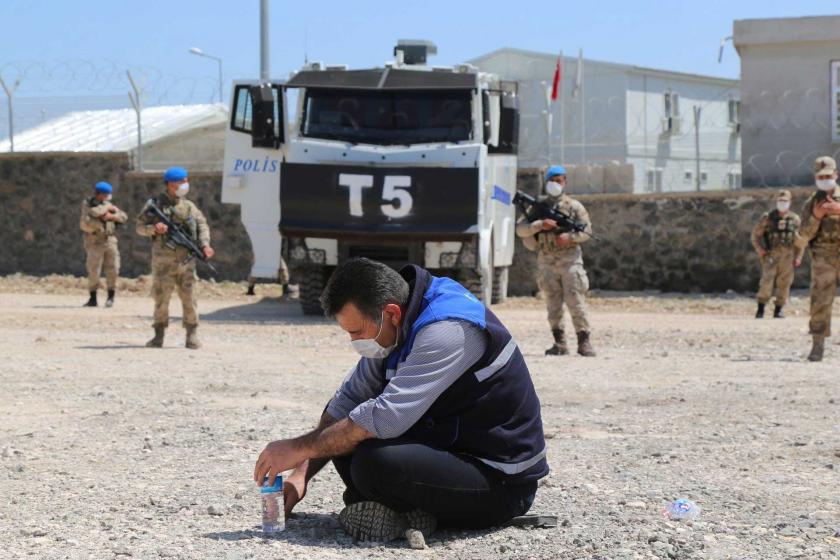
[103, 254]
[823, 236]
[171, 268]
[776, 234]
[560, 273]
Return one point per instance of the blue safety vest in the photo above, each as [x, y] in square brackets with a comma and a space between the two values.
[492, 411]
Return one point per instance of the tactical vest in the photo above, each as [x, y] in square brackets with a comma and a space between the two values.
[829, 232]
[780, 231]
[180, 213]
[546, 240]
[107, 228]
[491, 412]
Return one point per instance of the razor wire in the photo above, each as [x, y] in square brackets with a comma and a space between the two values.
[50, 88]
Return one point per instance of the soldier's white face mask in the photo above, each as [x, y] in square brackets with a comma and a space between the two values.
[369, 348]
[553, 189]
[783, 205]
[108, 198]
[826, 184]
[183, 189]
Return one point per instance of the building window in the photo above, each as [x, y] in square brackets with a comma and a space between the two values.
[835, 101]
[672, 104]
[704, 177]
[733, 180]
[654, 180]
[688, 177]
[734, 111]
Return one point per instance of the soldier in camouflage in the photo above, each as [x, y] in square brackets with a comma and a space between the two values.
[561, 276]
[99, 220]
[774, 239]
[172, 268]
[821, 231]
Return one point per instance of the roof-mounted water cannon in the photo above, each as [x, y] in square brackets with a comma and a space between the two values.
[411, 52]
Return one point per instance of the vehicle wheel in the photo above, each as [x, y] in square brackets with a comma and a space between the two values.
[313, 278]
[500, 284]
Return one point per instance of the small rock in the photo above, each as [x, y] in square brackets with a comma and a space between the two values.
[637, 505]
[591, 488]
[415, 539]
[215, 510]
[821, 515]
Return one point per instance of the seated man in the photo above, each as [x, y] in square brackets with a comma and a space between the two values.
[438, 424]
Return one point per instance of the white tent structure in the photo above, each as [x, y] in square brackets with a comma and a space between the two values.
[188, 135]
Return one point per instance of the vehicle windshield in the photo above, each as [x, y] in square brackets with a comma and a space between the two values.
[388, 117]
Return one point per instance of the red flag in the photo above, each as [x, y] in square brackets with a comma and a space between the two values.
[556, 85]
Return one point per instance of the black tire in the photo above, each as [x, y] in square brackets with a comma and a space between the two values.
[313, 278]
[500, 284]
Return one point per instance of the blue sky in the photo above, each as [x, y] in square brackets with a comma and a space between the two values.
[154, 35]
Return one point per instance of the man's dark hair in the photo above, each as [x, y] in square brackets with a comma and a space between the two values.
[367, 284]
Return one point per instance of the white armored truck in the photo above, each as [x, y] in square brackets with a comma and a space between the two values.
[403, 163]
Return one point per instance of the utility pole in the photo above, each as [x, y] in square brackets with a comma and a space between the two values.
[265, 72]
[137, 101]
[697, 110]
[10, 93]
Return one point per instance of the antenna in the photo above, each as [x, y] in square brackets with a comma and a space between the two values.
[306, 44]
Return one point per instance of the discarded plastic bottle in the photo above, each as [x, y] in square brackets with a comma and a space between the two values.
[682, 510]
[273, 519]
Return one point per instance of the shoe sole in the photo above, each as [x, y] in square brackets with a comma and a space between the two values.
[372, 521]
[421, 521]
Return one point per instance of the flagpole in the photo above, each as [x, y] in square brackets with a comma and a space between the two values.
[562, 116]
[582, 109]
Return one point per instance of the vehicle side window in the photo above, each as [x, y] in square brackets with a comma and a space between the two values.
[242, 114]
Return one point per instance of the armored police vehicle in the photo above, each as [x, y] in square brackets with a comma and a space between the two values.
[403, 163]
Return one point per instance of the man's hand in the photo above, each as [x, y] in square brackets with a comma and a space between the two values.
[294, 490]
[161, 228]
[208, 251]
[549, 224]
[797, 261]
[563, 240]
[278, 456]
[831, 207]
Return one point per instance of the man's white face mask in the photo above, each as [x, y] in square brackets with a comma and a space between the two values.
[369, 348]
[553, 188]
[108, 198]
[826, 184]
[183, 189]
[783, 205]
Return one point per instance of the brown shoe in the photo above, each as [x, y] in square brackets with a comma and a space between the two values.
[817, 349]
[157, 341]
[192, 338]
[559, 348]
[584, 346]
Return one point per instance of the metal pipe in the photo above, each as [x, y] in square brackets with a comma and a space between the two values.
[697, 110]
[198, 52]
[137, 102]
[265, 72]
[10, 93]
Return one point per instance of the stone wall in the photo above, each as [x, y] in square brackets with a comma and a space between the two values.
[679, 242]
[40, 194]
[686, 242]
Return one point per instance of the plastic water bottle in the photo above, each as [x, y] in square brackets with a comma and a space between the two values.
[273, 519]
[682, 510]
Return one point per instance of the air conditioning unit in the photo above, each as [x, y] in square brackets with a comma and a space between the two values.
[671, 125]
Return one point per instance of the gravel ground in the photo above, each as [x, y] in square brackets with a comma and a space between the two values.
[109, 449]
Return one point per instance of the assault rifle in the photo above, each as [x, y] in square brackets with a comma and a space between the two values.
[534, 209]
[176, 236]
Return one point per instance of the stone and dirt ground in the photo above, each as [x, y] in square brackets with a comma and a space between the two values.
[109, 449]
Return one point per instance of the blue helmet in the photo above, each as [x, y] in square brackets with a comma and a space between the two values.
[174, 174]
[554, 170]
[103, 188]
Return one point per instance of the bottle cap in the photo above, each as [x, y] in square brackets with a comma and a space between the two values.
[278, 485]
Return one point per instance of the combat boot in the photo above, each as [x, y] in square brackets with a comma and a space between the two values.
[759, 313]
[584, 346]
[192, 338]
[817, 349]
[110, 301]
[157, 341]
[559, 347]
[777, 312]
[92, 301]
